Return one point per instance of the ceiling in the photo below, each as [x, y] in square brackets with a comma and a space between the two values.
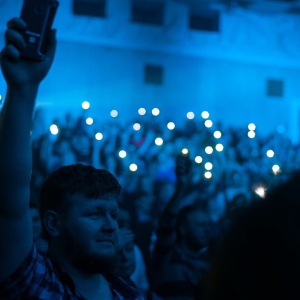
[264, 6]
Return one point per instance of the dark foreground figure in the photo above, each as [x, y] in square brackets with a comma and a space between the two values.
[259, 258]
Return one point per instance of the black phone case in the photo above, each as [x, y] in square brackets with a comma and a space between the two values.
[39, 16]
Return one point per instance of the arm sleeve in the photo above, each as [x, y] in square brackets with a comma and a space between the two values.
[18, 284]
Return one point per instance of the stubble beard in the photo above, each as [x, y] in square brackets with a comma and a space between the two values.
[97, 263]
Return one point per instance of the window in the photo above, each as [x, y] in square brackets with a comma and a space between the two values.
[92, 8]
[275, 88]
[154, 74]
[205, 20]
[147, 12]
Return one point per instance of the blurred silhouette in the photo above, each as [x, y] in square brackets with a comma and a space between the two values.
[181, 257]
[127, 261]
[259, 256]
[139, 273]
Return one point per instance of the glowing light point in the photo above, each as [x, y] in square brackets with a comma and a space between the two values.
[122, 153]
[155, 112]
[114, 113]
[185, 151]
[252, 126]
[136, 126]
[251, 134]
[198, 159]
[98, 136]
[276, 169]
[208, 166]
[54, 129]
[158, 141]
[85, 105]
[190, 115]
[208, 123]
[133, 167]
[260, 191]
[142, 111]
[270, 153]
[205, 114]
[171, 125]
[217, 134]
[209, 150]
[89, 121]
[208, 175]
[219, 147]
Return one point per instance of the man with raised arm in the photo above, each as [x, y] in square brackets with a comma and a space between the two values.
[181, 256]
[77, 203]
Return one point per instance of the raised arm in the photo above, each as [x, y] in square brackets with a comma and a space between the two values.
[23, 78]
[183, 176]
[166, 232]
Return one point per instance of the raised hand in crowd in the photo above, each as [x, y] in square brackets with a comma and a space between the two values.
[78, 203]
[180, 257]
[23, 78]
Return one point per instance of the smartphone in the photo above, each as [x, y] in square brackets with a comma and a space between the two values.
[39, 16]
[183, 161]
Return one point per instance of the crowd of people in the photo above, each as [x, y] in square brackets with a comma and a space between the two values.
[237, 166]
[241, 172]
[187, 223]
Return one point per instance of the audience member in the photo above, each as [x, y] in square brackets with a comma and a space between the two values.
[139, 274]
[127, 262]
[78, 203]
[181, 258]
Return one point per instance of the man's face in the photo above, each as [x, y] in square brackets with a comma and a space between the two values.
[197, 229]
[126, 260]
[89, 232]
[81, 144]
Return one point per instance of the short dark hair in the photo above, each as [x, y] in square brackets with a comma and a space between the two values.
[76, 178]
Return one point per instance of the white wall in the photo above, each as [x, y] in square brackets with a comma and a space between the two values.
[102, 61]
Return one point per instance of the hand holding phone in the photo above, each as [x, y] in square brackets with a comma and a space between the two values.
[39, 16]
[183, 163]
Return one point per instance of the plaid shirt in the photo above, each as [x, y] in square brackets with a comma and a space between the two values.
[40, 278]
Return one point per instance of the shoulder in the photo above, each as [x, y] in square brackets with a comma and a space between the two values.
[124, 288]
[23, 278]
[36, 276]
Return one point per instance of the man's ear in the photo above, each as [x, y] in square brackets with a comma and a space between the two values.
[52, 223]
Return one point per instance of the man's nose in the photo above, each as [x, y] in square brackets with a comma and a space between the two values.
[110, 224]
